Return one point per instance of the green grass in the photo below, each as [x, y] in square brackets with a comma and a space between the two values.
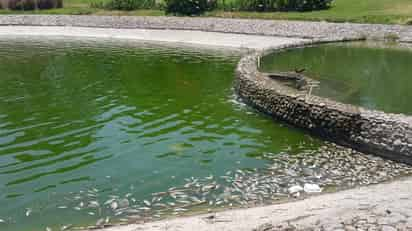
[359, 11]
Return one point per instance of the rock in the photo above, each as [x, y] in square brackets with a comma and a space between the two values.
[388, 228]
[265, 227]
[312, 188]
[295, 189]
[308, 172]
[397, 142]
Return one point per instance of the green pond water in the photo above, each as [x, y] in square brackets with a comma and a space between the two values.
[86, 121]
[373, 75]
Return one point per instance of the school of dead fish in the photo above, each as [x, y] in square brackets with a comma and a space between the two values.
[286, 176]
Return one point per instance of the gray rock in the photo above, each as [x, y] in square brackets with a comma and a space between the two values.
[388, 228]
[295, 189]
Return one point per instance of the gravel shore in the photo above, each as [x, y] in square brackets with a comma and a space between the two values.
[297, 29]
[383, 207]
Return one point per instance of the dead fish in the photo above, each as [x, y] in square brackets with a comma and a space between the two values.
[62, 207]
[28, 212]
[91, 213]
[65, 227]
[100, 222]
[114, 205]
[118, 213]
[160, 205]
[161, 193]
[146, 202]
[94, 204]
[195, 199]
[48, 229]
[109, 201]
[187, 185]
[77, 208]
[183, 201]
[131, 211]
[2, 221]
[180, 210]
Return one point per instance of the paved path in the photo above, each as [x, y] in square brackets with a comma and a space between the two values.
[201, 38]
[385, 207]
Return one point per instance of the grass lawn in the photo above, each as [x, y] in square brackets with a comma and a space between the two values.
[361, 11]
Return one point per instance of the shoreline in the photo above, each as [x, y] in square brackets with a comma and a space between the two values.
[332, 211]
[260, 36]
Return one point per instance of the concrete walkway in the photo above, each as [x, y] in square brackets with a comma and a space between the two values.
[380, 207]
[199, 38]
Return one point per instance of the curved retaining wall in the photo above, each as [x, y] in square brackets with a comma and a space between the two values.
[387, 135]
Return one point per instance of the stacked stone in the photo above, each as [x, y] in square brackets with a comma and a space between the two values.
[387, 135]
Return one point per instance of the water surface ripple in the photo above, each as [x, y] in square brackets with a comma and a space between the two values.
[124, 119]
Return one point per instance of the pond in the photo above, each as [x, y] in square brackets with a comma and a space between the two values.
[94, 131]
[374, 75]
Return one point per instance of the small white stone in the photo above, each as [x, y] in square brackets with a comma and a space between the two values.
[295, 189]
[312, 188]
[397, 142]
[388, 228]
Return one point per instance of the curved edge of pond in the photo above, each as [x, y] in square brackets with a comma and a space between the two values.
[387, 135]
[376, 132]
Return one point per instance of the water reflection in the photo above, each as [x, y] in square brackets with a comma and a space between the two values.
[373, 75]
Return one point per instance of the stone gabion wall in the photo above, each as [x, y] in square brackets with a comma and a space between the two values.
[387, 135]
